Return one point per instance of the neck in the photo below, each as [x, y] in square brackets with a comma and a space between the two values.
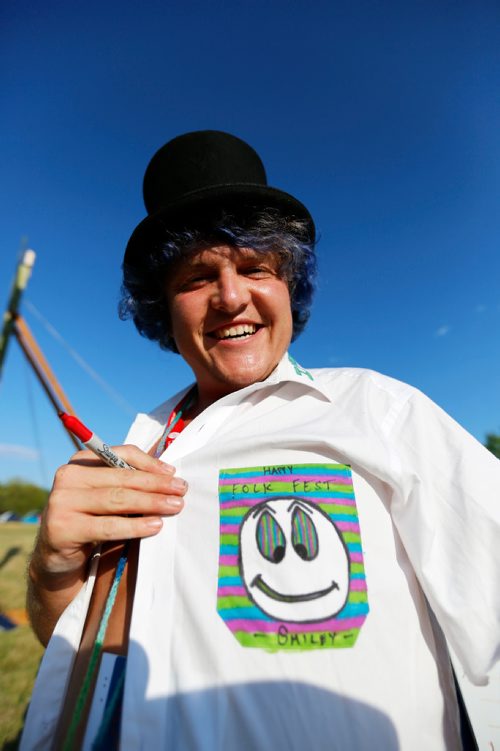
[200, 404]
[195, 403]
[204, 398]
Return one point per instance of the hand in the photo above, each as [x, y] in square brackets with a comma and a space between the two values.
[91, 503]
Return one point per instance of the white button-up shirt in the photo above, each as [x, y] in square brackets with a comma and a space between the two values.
[286, 606]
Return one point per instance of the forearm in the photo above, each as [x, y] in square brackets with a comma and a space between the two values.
[48, 594]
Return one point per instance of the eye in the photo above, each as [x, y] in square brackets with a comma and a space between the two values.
[270, 538]
[195, 281]
[258, 271]
[304, 535]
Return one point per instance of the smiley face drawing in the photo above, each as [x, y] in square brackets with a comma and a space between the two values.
[293, 561]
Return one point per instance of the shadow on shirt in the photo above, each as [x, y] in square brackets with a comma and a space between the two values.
[253, 716]
[257, 716]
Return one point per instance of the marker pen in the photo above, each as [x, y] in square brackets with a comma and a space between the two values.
[92, 441]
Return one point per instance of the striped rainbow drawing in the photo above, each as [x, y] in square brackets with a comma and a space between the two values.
[269, 507]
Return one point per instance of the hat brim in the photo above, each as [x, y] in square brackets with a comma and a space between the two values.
[235, 198]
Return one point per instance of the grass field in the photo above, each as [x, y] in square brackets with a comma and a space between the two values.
[20, 652]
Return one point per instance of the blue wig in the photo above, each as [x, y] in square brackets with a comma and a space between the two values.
[143, 289]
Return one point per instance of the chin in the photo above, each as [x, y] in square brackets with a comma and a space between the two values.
[248, 373]
[226, 383]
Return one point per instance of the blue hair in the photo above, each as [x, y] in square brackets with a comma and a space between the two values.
[143, 288]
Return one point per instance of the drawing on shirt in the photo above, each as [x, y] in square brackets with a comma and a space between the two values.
[293, 561]
[291, 573]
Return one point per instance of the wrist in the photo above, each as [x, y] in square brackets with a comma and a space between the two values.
[54, 572]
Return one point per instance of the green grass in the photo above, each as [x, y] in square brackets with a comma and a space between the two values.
[20, 651]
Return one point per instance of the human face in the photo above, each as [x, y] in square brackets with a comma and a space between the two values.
[230, 317]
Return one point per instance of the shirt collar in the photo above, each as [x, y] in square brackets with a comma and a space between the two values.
[149, 426]
[288, 369]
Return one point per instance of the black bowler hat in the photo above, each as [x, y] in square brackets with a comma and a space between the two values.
[198, 173]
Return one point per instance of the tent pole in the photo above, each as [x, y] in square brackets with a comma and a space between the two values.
[43, 371]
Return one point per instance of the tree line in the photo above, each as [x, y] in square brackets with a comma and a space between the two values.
[21, 497]
[493, 444]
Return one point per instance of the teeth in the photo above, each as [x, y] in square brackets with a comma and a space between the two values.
[241, 330]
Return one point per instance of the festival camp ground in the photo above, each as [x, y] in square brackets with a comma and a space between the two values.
[20, 651]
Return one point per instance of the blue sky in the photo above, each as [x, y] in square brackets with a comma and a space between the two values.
[383, 118]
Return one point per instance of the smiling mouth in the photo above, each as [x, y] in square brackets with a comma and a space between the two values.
[270, 592]
[240, 331]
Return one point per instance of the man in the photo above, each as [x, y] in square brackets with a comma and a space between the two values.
[334, 525]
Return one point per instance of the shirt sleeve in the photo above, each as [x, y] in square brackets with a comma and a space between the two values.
[446, 508]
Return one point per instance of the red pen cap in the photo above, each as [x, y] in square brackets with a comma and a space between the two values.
[73, 424]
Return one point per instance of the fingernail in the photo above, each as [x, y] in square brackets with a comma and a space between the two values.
[167, 468]
[174, 503]
[179, 484]
[153, 523]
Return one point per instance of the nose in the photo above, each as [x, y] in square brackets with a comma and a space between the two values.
[232, 293]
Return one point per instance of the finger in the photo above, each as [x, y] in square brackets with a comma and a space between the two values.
[105, 528]
[71, 477]
[131, 454]
[64, 553]
[115, 501]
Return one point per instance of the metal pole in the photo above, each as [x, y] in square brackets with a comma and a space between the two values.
[23, 273]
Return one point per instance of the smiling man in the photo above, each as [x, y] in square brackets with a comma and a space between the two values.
[310, 538]
[230, 317]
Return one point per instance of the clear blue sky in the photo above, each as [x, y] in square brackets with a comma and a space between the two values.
[383, 117]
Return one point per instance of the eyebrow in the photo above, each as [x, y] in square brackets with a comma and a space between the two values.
[188, 263]
[302, 507]
[239, 254]
[263, 508]
[186, 268]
